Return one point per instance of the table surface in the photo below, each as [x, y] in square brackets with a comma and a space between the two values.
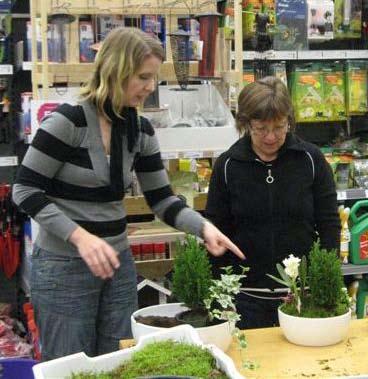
[278, 358]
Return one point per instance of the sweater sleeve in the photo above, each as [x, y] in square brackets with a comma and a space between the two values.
[218, 208]
[325, 204]
[43, 159]
[156, 187]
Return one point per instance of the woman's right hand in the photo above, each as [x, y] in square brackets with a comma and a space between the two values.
[100, 257]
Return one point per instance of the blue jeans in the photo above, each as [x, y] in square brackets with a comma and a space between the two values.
[77, 311]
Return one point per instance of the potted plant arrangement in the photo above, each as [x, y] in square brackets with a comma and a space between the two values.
[316, 311]
[205, 303]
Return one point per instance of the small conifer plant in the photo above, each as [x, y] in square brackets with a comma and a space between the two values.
[192, 273]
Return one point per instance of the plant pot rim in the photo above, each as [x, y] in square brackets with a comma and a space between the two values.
[314, 318]
[168, 305]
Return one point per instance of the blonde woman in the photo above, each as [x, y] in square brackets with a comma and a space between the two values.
[273, 194]
[72, 182]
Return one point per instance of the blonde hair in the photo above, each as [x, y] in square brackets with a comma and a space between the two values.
[265, 99]
[121, 55]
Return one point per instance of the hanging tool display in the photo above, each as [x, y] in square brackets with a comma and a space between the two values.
[10, 233]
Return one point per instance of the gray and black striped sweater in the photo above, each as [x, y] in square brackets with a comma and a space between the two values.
[64, 181]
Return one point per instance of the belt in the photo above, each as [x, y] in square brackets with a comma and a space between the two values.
[266, 292]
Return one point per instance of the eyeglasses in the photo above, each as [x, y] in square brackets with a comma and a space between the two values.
[263, 131]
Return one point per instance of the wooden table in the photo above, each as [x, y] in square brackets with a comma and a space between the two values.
[278, 358]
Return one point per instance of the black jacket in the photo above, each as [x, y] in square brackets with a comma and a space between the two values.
[269, 221]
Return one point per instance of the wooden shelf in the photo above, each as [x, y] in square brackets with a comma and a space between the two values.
[154, 269]
[80, 72]
[136, 205]
[152, 232]
[350, 269]
[127, 7]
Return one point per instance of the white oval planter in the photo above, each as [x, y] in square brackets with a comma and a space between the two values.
[314, 331]
[219, 335]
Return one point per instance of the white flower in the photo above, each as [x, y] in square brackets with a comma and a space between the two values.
[292, 266]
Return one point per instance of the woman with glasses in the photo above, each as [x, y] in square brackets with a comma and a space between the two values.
[273, 194]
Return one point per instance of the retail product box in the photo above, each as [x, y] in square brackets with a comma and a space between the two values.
[307, 92]
[191, 26]
[248, 74]
[108, 22]
[356, 87]
[291, 25]
[342, 165]
[56, 41]
[348, 19]
[320, 19]
[334, 91]
[279, 71]
[64, 367]
[250, 9]
[154, 25]
[86, 39]
[5, 5]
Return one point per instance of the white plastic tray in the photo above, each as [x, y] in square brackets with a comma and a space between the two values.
[64, 367]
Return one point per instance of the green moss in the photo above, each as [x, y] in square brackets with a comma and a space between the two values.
[314, 311]
[164, 358]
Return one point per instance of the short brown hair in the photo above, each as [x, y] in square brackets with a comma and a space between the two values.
[265, 99]
[121, 55]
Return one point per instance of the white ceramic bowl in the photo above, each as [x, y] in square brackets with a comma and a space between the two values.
[219, 335]
[314, 331]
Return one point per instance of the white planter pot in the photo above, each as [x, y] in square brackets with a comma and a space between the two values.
[314, 331]
[64, 367]
[219, 335]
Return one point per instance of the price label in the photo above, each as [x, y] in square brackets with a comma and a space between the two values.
[169, 155]
[341, 195]
[309, 54]
[27, 66]
[356, 54]
[248, 55]
[8, 161]
[281, 55]
[193, 154]
[334, 54]
[6, 69]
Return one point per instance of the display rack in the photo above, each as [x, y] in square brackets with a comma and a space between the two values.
[46, 74]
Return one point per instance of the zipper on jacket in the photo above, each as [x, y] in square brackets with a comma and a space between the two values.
[269, 180]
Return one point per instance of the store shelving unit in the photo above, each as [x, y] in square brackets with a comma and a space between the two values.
[45, 74]
[291, 55]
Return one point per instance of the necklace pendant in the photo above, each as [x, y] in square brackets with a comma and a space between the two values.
[270, 179]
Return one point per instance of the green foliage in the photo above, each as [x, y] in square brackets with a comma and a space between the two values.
[221, 300]
[303, 274]
[316, 285]
[192, 273]
[285, 281]
[164, 358]
[325, 277]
